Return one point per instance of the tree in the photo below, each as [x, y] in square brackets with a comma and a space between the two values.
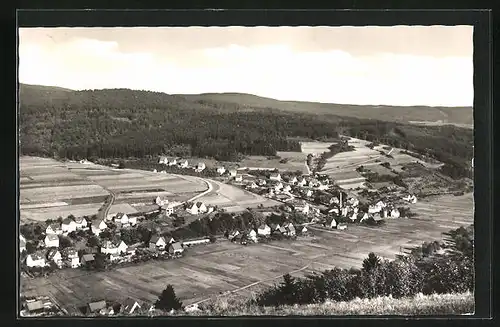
[64, 242]
[212, 239]
[100, 261]
[30, 247]
[168, 300]
[288, 289]
[93, 241]
[371, 262]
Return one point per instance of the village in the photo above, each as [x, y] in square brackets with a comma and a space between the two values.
[96, 243]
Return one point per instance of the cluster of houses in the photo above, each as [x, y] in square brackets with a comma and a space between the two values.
[181, 163]
[117, 250]
[197, 208]
[38, 306]
[265, 231]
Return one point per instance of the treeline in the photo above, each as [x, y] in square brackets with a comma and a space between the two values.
[125, 123]
[422, 272]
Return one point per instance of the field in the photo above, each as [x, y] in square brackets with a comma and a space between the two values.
[234, 199]
[207, 270]
[342, 166]
[49, 189]
[296, 161]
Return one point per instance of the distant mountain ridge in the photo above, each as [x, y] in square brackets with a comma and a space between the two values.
[232, 102]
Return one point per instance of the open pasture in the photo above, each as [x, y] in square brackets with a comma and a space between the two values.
[262, 162]
[225, 196]
[207, 270]
[315, 147]
[121, 207]
[62, 192]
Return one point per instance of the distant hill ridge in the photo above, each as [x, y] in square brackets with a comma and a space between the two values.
[37, 94]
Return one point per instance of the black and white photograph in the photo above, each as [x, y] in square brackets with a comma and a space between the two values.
[246, 171]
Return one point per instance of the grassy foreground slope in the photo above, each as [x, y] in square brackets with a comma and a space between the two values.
[435, 304]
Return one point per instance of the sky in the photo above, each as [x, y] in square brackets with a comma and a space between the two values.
[399, 65]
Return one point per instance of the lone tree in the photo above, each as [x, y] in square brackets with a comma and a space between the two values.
[371, 262]
[288, 289]
[168, 300]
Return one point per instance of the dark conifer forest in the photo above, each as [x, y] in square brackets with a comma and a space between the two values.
[123, 123]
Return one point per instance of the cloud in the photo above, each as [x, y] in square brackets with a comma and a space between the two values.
[274, 70]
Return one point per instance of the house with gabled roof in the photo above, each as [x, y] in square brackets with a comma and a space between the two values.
[264, 230]
[68, 225]
[238, 178]
[163, 160]
[221, 170]
[200, 166]
[261, 182]
[97, 307]
[35, 306]
[290, 229]
[302, 182]
[332, 223]
[22, 245]
[252, 235]
[36, 259]
[175, 248]
[70, 255]
[55, 256]
[172, 161]
[233, 234]
[122, 218]
[395, 213]
[275, 177]
[293, 180]
[232, 172]
[87, 258]
[341, 226]
[287, 188]
[54, 228]
[51, 241]
[197, 208]
[129, 306]
[183, 164]
[157, 242]
[278, 186]
[81, 223]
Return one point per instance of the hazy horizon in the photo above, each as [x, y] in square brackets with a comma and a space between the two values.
[395, 66]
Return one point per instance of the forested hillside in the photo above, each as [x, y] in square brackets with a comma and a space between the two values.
[123, 123]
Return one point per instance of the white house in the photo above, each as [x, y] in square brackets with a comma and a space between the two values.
[238, 178]
[184, 164]
[35, 260]
[264, 230]
[122, 218]
[172, 161]
[169, 210]
[304, 230]
[68, 225]
[157, 242]
[395, 213]
[342, 226]
[81, 223]
[54, 228]
[308, 193]
[159, 201]
[55, 256]
[163, 172]
[354, 217]
[333, 223]
[129, 306]
[365, 217]
[376, 207]
[262, 182]
[290, 229]
[293, 180]
[98, 226]
[278, 186]
[22, 244]
[51, 241]
[72, 259]
[233, 172]
[175, 248]
[302, 182]
[132, 221]
[155, 171]
[252, 185]
[163, 160]
[201, 166]
[303, 208]
[221, 170]
[253, 235]
[275, 177]
[410, 198]
[233, 234]
[334, 210]
[287, 188]
[197, 208]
